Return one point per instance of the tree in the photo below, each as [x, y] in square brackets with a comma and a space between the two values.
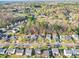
[77, 30]
[22, 29]
[57, 28]
[40, 40]
[11, 46]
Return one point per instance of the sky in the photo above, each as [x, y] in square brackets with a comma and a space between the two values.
[20, 0]
[40, 0]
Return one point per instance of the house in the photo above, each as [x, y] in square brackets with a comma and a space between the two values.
[10, 51]
[15, 24]
[2, 51]
[48, 36]
[26, 20]
[27, 36]
[68, 37]
[77, 51]
[15, 30]
[67, 52]
[48, 45]
[3, 30]
[74, 51]
[11, 25]
[58, 44]
[7, 37]
[75, 36]
[37, 51]
[45, 53]
[62, 37]
[37, 6]
[42, 15]
[28, 52]
[13, 37]
[55, 37]
[34, 37]
[55, 52]
[27, 10]
[19, 22]
[19, 51]
[27, 45]
[41, 36]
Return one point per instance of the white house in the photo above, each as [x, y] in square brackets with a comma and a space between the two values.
[68, 37]
[46, 53]
[10, 51]
[75, 36]
[77, 50]
[37, 51]
[28, 52]
[48, 36]
[55, 51]
[62, 37]
[33, 37]
[19, 51]
[67, 52]
[55, 37]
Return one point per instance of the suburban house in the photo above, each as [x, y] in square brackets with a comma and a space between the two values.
[10, 51]
[68, 37]
[3, 30]
[37, 51]
[67, 52]
[77, 51]
[15, 30]
[55, 52]
[75, 36]
[41, 36]
[28, 52]
[2, 51]
[19, 51]
[57, 44]
[74, 51]
[48, 36]
[62, 37]
[49, 45]
[46, 54]
[34, 37]
[55, 37]
[28, 36]
[14, 37]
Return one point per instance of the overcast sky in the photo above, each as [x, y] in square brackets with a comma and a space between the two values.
[41, 0]
[21, 0]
